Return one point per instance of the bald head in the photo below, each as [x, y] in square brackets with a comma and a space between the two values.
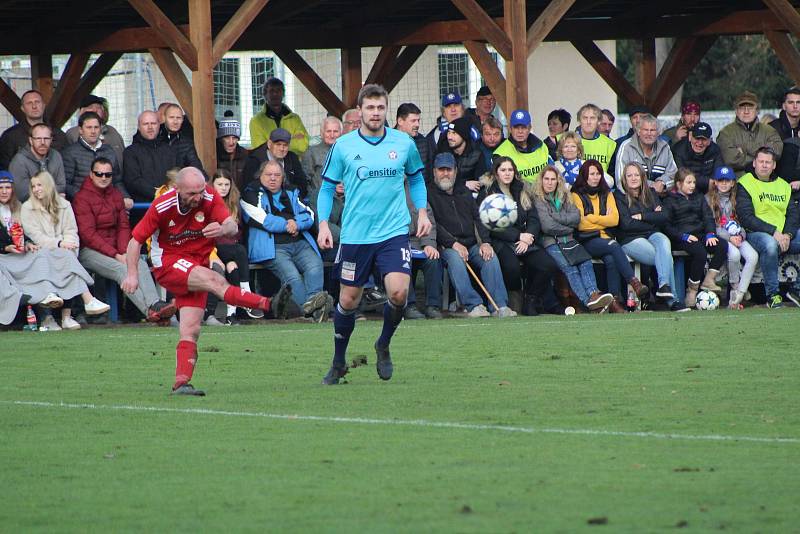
[148, 125]
[190, 185]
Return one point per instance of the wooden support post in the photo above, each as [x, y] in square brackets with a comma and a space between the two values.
[172, 36]
[175, 77]
[311, 80]
[205, 132]
[786, 52]
[546, 21]
[490, 72]
[786, 13]
[234, 28]
[686, 53]
[42, 75]
[351, 75]
[490, 30]
[383, 63]
[645, 64]
[10, 101]
[517, 70]
[405, 61]
[609, 72]
[57, 109]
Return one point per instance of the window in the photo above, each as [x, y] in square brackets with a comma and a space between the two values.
[226, 87]
[453, 73]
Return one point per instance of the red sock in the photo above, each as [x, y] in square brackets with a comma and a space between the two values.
[185, 358]
[237, 297]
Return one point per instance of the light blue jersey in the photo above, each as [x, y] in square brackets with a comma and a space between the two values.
[373, 171]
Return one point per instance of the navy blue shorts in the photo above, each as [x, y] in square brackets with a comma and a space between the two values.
[354, 263]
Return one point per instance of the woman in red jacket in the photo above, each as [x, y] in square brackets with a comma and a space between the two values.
[104, 232]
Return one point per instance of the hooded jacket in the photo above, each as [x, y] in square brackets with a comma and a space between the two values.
[16, 137]
[660, 166]
[103, 223]
[233, 163]
[146, 166]
[25, 165]
[557, 225]
[265, 121]
[784, 129]
[183, 146]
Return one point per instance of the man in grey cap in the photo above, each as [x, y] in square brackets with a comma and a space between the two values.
[277, 149]
[698, 153]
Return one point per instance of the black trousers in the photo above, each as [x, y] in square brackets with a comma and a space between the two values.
[697, 256]
[236, 253]
[541, 268]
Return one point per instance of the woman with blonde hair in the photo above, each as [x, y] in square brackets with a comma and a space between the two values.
[559, 218]
[48, 221]
[570, 157]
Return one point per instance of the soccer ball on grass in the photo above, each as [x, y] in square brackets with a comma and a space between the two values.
[707, 300]
[498, 211]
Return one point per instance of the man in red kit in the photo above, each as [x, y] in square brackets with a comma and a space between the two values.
[184, 224]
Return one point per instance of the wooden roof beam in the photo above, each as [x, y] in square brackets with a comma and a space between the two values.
[686, 53]
[99, 69]
[235, 27]
[10, 101]
[786, 52]
[56, 110]
[175, 77]
[609, 72]
[786, 12]
[386, 59]
[546, 21]
[491, 30]
[405, 61]
[490, 71]
[172, 36]
[311, 80]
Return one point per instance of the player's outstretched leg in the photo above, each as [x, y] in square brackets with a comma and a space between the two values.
[344, 321]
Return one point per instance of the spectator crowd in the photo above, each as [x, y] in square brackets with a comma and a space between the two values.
[589, 209]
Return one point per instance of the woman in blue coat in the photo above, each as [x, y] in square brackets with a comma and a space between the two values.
[279, 238]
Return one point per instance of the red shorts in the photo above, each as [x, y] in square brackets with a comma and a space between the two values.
[174, 277]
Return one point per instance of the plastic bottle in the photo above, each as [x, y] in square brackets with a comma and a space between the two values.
[30, 324]
[631, 304]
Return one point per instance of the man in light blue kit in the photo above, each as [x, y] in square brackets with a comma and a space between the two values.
[373, 163]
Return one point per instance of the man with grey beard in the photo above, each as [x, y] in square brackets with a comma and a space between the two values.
[457, 221]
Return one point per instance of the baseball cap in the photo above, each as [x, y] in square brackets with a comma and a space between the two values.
[638, 110]
[6, 178]
[520, 117]
[701, 129]
[747, 97]
[280, 135]
[690, 107]
[444, 160]
[724, 173]
[88, 100]
[451, 98]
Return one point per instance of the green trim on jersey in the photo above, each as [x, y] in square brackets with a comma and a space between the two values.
[770, 199]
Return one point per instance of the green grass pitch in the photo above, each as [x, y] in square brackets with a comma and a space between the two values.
[639, 423]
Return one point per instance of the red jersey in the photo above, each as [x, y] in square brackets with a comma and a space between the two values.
[180, 234]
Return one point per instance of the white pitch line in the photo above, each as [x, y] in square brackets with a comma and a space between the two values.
[404, 422]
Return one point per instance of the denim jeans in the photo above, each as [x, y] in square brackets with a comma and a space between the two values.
[768, 253]
[654, 250]
[617, 264]
[580, 277]
[432, 271]
[298, 265]
[490, 274]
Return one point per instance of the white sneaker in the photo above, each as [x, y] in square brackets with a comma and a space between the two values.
[52, 301]
[96, 307]
[479, 311]
[505, 311]
[68, 323]
[49, 325]
[213, 321]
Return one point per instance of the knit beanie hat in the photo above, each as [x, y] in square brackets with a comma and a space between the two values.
[229, 127]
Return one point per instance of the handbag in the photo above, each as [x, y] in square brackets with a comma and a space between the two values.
[586, 236]
[573, 252]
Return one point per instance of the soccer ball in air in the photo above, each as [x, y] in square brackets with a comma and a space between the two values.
[498, 211]
[707, 300]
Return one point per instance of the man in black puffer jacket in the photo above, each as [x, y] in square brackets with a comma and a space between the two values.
[699, 154]
[146, 161]
[172, 134]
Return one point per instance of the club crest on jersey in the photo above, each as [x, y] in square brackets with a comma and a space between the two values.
[199, 216]
[392, 154]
